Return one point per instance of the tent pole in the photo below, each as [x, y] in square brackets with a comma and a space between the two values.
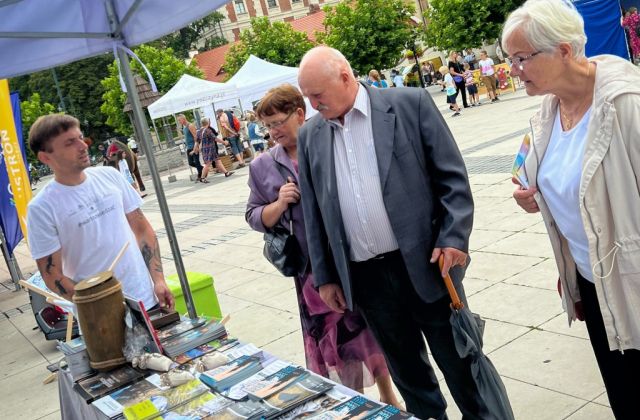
[141, 123]
[153, 122]
[12, 264]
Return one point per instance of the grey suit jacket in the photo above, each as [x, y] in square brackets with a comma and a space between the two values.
[425, 189]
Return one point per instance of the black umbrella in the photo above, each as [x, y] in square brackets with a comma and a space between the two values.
[467, 335]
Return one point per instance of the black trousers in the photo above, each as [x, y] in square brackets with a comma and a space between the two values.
[619, 370]
[398, 318]
[460, 87]
[194, 161]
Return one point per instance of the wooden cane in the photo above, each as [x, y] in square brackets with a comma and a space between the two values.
[69, 327]
[456, 303]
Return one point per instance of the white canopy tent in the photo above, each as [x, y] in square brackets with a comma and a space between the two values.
[248, 85]
[189, 93]
[255, 78]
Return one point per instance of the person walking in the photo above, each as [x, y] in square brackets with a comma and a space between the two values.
[337, 345]
[395, 198]
[192, 143]
[208, 138]
[582, 176]
[231, 134]
[255, 138]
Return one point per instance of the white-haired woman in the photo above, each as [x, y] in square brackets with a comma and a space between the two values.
[583, 173]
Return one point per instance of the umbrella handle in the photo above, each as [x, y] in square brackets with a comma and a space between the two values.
[456, 303]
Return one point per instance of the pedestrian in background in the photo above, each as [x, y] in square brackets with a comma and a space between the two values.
[456, 70]
[374, 76]
[192, 144]
[488, 77]
[470, 83]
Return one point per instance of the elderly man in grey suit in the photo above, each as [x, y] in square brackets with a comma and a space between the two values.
[385, 193]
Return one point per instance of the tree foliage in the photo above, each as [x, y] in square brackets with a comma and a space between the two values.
[213, 42]
[275, 42]
[80, 88]
[370, 33]
[31, 109]
[165, 69]
[185, 39]
[458, 24]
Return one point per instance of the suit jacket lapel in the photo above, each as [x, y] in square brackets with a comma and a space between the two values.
[325, 137]
[383, 125]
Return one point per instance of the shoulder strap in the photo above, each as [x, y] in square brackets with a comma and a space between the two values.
[281, 169]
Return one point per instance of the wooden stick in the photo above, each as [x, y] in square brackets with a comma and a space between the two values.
[69, 326]
[39, 291]
[52, 377]
[117, 259]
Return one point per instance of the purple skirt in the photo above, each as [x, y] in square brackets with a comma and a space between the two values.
[337, 346]
[209, 150]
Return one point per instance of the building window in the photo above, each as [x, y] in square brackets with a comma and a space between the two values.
[272, 3]
[240, 9]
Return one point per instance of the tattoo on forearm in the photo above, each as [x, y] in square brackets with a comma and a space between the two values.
[60, 287]
[49, 264]
[151, 256]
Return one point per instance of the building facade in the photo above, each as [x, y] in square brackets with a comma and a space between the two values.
[238, 14]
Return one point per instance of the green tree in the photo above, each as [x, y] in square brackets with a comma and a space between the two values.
[80, 87]
[184, 40]
[165, 69]
[275, 42]
[457, 24]
[213, 42]
[370, 33]
[31, 109]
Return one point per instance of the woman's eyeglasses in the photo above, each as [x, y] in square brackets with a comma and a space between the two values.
[519, 61]
[278, 124]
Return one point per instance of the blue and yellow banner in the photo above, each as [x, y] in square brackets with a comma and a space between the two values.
[14, 157]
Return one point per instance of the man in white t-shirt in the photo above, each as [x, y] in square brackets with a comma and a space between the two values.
[80, 220]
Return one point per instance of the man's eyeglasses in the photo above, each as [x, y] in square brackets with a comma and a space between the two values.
[519, 61]
[278, 124]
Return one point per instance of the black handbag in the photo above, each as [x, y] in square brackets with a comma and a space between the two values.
[281, 248]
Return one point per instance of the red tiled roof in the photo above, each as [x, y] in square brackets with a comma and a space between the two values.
[310, 24]
[211, 62]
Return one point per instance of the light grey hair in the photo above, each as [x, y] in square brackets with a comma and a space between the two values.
[546, 24]
[204, 121]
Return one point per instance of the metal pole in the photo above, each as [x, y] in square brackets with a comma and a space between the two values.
[155, 129]
[415, 55]
[62, 105]
[12, 264]
[145, 141]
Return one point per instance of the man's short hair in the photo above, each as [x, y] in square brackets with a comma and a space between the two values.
[47, 127]
[284, 98]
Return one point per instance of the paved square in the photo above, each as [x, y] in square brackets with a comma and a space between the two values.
[548, 368]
